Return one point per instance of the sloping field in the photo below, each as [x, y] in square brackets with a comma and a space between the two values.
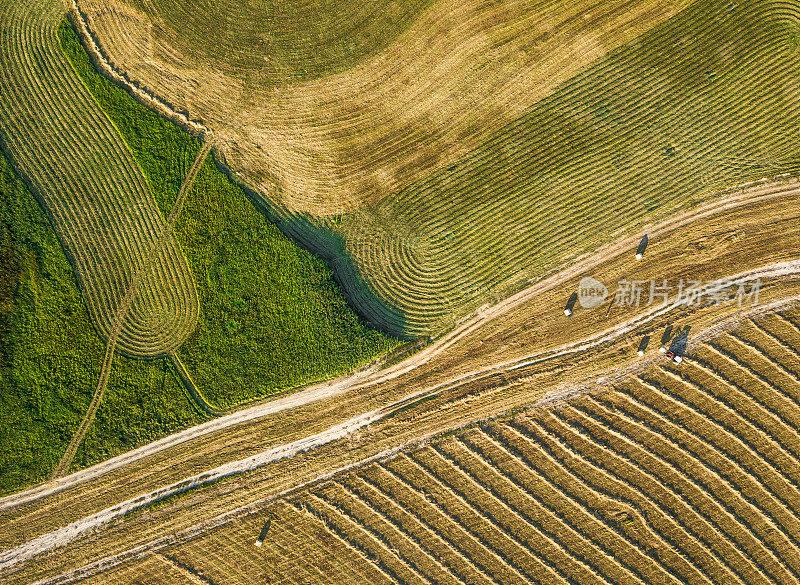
[516, 137]
[680, 474]
[79, 167]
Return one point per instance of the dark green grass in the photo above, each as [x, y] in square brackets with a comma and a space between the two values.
[272, 317]
[50, 358]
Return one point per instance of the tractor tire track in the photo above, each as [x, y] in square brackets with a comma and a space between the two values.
[122, 314]
[731, 198]
[64, 535]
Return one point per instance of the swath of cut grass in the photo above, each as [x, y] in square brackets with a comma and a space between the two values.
[650, 127]
[50, 357]
[94, 193]
[271, 315]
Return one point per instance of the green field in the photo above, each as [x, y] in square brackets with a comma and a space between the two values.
[50, 358]
[271, 315]
[706, 100]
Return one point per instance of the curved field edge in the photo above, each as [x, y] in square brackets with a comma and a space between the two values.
[95, 194]
[703, 99]
[50, 358]
[271, 315]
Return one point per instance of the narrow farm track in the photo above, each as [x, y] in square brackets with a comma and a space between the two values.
[677, 474]
[122, 316]
[733, 198]
[82, 172]
[66, 534]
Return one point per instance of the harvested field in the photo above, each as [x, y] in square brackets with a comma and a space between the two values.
[483, 391]
[98, 200]
[678, 474]
[449, 194]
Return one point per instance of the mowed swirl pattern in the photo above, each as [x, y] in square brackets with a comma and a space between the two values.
[493, 143]
[95, 194]
[641, 135]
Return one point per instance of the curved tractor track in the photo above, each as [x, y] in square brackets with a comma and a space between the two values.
[96, 196]
[119, 321]
[66, 534]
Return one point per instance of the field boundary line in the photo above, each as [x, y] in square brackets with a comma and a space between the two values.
[122, 313]
[63, 535]
[145, 98]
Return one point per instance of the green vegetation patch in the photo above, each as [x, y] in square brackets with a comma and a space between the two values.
[152, 139]
[50, 358]
[271, 316]
[275, 43]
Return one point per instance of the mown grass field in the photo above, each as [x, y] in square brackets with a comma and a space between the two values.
[50, 358]
[66, 148]
[51, 353]
[522, 137]
[281, 43]
[703, 101]
[271, 315]
[679, 474]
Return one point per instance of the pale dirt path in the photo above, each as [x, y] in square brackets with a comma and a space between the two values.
[750, 193]
[122, 313]
[64, 535]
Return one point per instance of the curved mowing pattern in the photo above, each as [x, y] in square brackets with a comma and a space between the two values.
[516, 136]
[682, 475]
[96, 195]
[274, 40]
[708, 99]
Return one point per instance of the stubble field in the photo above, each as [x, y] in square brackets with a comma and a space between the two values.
[595, 121]
[679, 474]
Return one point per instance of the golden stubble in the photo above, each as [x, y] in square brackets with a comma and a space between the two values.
[343, 141]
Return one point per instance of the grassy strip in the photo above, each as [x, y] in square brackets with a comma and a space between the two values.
[50, 358]
[272, 317]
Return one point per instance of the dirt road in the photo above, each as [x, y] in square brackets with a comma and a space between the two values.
[66, 534]
[731, 198]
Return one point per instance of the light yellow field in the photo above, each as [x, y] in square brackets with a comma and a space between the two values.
[679, 474]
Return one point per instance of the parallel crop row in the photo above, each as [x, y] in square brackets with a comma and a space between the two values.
[639, 134]
[634, 136]
[684, 475]
[94, 192]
